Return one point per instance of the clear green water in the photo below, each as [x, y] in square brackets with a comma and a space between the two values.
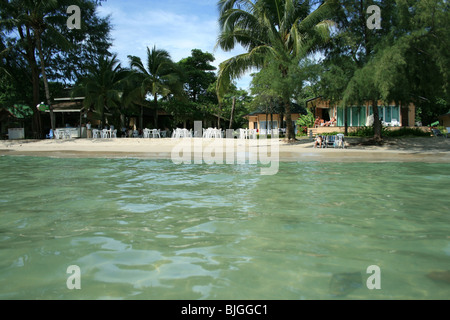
[142, 229]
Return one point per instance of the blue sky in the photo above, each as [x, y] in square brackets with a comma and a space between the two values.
[177, 26]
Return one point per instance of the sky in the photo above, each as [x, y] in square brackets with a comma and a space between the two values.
[177, 26]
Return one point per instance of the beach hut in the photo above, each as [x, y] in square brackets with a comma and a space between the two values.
[14, 117]
[391, 114]
[262, 119]
[6, 118]
[69, 112]
[444, 120]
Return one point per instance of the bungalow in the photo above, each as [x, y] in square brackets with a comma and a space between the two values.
[262, 120]
[358, 116]
[14, 121]
[444, 120]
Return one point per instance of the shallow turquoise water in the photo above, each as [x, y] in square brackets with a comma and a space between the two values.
[141, 229]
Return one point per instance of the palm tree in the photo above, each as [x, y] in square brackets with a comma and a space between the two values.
[103, 88]
[270, 30]
[159, 78]
[34, 17]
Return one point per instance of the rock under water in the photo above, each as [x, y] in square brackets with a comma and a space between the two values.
[440, 276]
[342, 284]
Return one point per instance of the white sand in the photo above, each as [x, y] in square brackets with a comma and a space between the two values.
[406, 149]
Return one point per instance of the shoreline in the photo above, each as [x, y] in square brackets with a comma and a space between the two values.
[429, 150]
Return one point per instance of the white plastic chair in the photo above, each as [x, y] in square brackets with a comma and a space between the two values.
[146, 133]
[217, 133]
[395, 123]
[339, 142]
[114, 134]
[207, 134]
[106, 134]
[179, 133]
[96, 133]
[156, 133]
[243, 134]
[58, 134]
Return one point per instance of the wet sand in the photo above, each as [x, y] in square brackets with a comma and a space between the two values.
[432, 150]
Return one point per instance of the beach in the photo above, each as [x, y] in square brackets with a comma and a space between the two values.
[431, 150]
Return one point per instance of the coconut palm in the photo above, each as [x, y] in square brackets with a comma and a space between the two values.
[102, 89]
[34, 15]
[158, 78]
[269, 30]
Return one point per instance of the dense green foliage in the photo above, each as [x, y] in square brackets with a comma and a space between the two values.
[301, 50]
[276, 34]
[38, 48]
[407, 60]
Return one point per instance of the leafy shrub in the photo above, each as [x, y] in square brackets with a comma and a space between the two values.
[367, 132]
[306, 120]
[403, 132]
[362, 132]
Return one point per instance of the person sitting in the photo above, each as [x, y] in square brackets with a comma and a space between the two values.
[319, 141]
[317, 122]
[331, 122]
[50, 135]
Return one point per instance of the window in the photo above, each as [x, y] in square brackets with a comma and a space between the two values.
[356, 116]
[271, 124]
[387, 114]
[340, 117]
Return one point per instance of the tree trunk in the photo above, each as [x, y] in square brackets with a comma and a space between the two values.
[376, 121]
[103, 118]
[141, 118]
[345, 122]
[37, 124]
[31, 58]
[122, 121]
[233, 106]
[271, 121]
[44, 77]
[290, 133]
[219, 115]
[281, 120]
[267, 121]
[156, 111]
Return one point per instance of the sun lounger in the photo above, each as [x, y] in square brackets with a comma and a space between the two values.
[329, 141]
[438, 133]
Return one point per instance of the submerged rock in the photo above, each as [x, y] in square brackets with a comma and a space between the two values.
[440, 276]
[342, 284]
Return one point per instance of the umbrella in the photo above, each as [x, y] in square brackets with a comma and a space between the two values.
[42, 107]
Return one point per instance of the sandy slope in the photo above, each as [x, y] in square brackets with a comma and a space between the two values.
[402, 149]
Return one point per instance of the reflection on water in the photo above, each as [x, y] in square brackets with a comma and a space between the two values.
[143, 229]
